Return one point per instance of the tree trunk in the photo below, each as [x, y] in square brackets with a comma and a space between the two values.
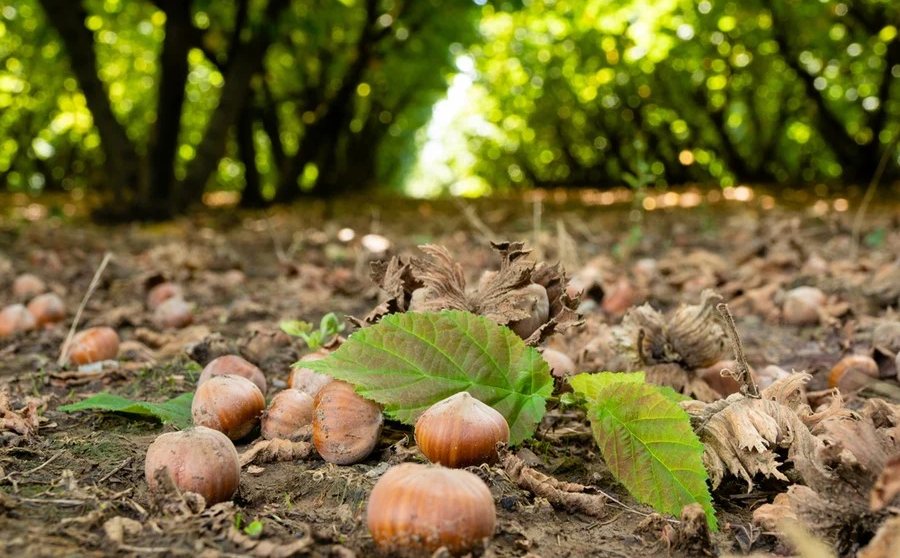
[252, 194]
[235, 93]
[121, 162]
[157, 196]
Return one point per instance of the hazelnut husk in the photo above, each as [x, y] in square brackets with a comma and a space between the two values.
[289, 416]
[236, 366]
[416, 509]
[461, 431]
[230, 404]
[346, 426]
[198, 459]
[94, 345]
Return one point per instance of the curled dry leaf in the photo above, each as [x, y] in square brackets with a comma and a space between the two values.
[566, 495]
[507, 297]
[24, 421]
[271, 451]
[885, 543]
[740, 434]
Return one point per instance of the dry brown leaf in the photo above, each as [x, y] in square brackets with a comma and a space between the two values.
[740, 434]
[768, 517]
[270, 451]
[566, 495]
[24, 421]
[885, 543]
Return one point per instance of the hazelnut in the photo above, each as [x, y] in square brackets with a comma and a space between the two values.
[306, 380]
[94, 345]
[290, 411]
[47, 308]
[346, 426]
[199, 459]
[161, 293]
[532, 299]
[724, 385]
[236, 366]
[230, 404]
[802, 306]
[15, 318]
[853, 372]
[174, 313]
[27, 286]
[560, 363]
[416, 509]
[461, 431]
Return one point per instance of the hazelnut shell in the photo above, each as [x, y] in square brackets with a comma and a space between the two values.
[853, 372]
[94, 345]
[15, 318]
[346, 426]
[416, 509]
[289, 412]
[461, 431]
[230, 404]
[306, 380]
[47, 308]
[199, 459]
[236, 366]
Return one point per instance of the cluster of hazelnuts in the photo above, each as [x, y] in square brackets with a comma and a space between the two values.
[459, 431]
[44, 308]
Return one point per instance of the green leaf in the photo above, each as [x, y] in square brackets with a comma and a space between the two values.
[649, 446]
[672, 395]
[176, 411]
[589, 385]
[254, 529]
[296, 328]
[408, 362]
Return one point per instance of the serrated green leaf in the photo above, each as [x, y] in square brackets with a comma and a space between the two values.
[672, 395]
[408, 362]
[176, 411]
[649, 446]
[589, 385]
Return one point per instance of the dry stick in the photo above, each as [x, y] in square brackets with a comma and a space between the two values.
[473, 220]
[743, 369]
[279, 251]
[64, 355]
[867, 198]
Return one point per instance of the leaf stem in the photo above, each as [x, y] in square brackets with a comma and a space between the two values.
[742, 374]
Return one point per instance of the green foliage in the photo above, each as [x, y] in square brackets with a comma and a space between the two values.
[329, 326]
[176, 411]
[647, 441]
[408, 362]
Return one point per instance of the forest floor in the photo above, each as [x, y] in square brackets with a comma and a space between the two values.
[63, 486]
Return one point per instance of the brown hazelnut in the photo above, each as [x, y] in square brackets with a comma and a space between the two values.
[802, 306]
[306, 380]
[560, 363]
[853, 372]
[27, 286]
[47, 308]
[174, 313]
[199, 459]
[94, 345]
[230, 404]
[346, 426]
[461, 431]
[161, 293]
[532, 299]
[416, 509]
[15, 318]
[288, 415]
[236, 366]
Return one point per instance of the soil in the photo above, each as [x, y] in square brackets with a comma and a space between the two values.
[60, 487]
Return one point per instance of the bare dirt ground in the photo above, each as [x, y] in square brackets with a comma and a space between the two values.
[62, 487]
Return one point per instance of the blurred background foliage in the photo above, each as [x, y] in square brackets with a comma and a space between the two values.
[149, 104]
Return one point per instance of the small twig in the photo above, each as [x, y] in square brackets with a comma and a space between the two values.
[64, 355]
[279, 251]
[536, 215]
[115, 470]
[473, 220]
[870, 193]
[23, 474]
[742, 375]
[55, 501]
